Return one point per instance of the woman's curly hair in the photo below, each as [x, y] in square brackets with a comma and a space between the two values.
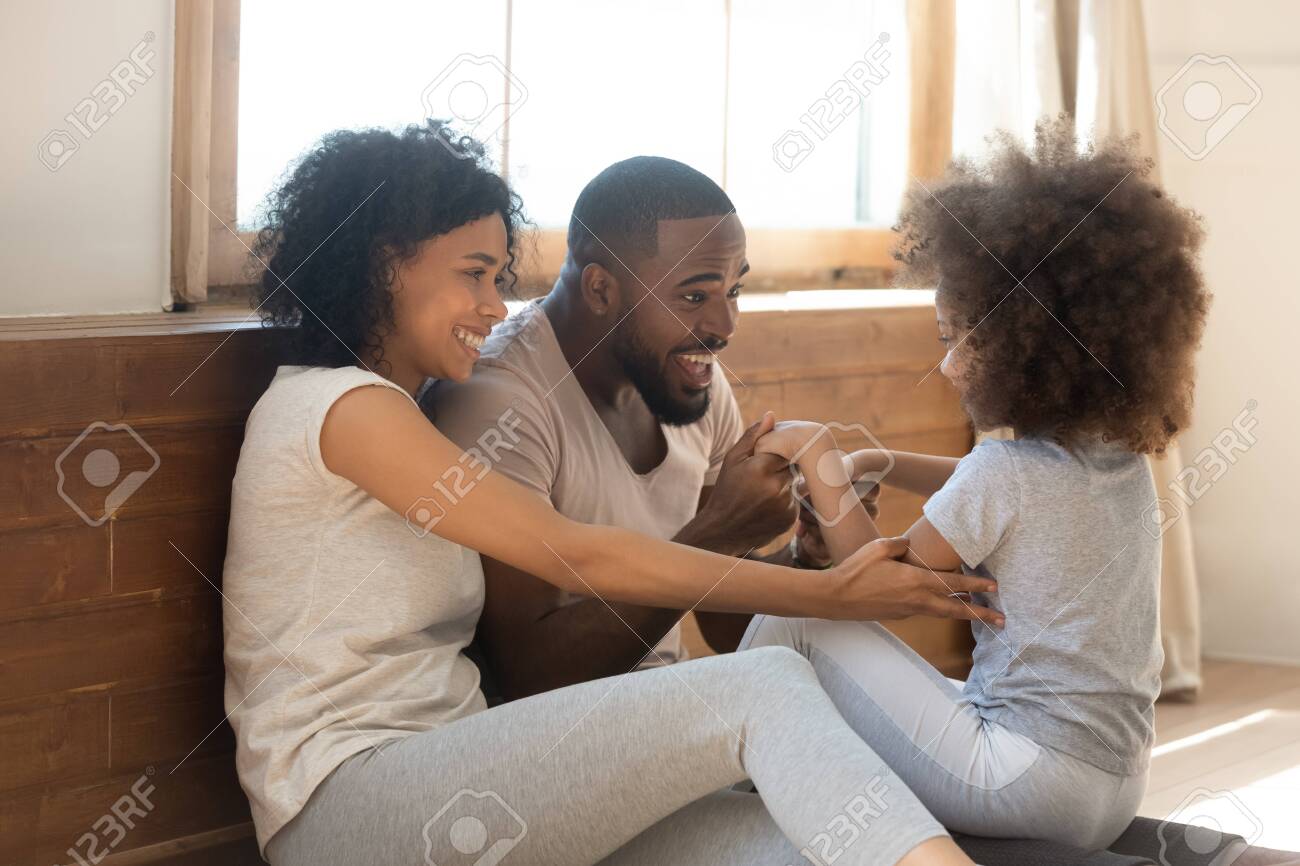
[348, 213]
[1077, 283]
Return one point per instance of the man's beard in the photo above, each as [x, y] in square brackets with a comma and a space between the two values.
[651, 380]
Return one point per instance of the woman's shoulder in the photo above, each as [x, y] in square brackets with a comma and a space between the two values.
[298, 389]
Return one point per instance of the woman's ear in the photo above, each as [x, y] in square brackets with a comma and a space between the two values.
[600, 289]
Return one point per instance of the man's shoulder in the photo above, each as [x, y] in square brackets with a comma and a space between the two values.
[513, 365]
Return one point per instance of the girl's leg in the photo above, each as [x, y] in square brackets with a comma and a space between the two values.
[975, 776]
[570, 776]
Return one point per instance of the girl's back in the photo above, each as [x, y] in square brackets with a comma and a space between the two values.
[1077, 667]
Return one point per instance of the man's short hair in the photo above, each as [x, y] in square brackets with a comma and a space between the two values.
[618, 212]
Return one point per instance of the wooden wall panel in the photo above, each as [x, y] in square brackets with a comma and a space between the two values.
[110, 640]
[125, 640]
[182, 552]
[49, 742]
[194, 468]
[39, 826]
[163, 723]
[45, 566]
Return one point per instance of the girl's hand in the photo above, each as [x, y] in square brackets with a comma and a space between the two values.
[793, 439]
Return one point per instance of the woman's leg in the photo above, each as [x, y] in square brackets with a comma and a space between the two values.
[975, 776]
[570, 776]
[726, 828]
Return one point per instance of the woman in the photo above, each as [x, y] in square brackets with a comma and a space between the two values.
[362, 733]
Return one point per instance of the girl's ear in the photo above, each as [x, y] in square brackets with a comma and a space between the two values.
[600, 289]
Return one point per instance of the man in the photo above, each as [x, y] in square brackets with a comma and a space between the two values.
[624, 419]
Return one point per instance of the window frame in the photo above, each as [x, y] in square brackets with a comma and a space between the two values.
[800, 256]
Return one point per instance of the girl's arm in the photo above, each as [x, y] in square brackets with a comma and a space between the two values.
[377, 439]
[829, 474]
[915, 473]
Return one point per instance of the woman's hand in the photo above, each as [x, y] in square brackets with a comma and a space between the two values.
[873, 585]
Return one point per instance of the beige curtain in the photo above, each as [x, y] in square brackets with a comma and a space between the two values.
[1018, 60]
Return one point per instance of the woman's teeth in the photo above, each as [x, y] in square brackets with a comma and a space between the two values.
[469, 338]
[698, 359]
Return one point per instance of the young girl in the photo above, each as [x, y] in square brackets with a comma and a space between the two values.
[1070, 306]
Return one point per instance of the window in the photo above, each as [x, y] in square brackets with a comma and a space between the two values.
[805, 115]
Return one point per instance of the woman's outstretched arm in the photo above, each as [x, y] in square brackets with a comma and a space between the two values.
[382, 443]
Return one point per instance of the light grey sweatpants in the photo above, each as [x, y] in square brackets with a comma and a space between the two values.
[975, 776]
[627, 770]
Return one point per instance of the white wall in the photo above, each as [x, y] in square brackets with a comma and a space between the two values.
[92, 236]
[1248, 189]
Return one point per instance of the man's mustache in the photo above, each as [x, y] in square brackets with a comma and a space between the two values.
[710, 344]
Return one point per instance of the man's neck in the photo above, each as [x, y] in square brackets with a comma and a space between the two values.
[588, 350]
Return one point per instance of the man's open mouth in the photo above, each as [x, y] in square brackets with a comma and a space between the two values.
[697, 367]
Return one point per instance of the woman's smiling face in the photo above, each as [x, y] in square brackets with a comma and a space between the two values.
[446, 299]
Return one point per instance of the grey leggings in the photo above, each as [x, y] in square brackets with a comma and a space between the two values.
[626, 770]
[977, 777]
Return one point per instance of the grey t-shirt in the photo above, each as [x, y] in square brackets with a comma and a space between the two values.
[1077, 667]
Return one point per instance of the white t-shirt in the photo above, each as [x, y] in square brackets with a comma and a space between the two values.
[566, 454]
[373, 616]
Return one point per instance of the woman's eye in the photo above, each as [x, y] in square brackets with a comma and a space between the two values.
[694, 297]
[735, 292]
[476, 274]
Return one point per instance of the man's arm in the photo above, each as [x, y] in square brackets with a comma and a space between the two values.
[535, 641]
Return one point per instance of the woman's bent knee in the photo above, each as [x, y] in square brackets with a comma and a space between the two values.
[773, 665]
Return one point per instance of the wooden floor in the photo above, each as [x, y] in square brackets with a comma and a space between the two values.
[1233, 756]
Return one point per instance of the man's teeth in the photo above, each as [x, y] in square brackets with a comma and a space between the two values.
[469, 338]
[698, 359]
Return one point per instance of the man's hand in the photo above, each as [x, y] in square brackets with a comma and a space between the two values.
[872, 585]
[750, 503]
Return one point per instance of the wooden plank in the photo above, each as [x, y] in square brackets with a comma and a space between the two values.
[184, 468]
[828, 342]
[48, 566]
[216, 377]
[38, 827]
[50, 742]
[191, 150]
[174, 552]
[882, 405]
[163, 723]
[932, 38]
[228, 846]
[944, 643]
[152, 639]
[59, 381]
[69, 384]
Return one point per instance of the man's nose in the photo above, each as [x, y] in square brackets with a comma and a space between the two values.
[719, 319]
